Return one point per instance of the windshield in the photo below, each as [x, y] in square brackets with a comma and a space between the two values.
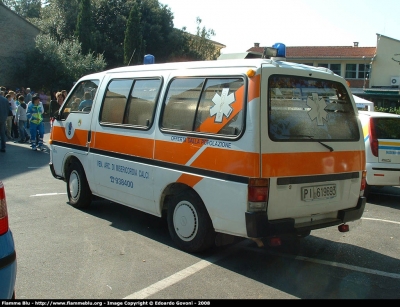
[314, 108]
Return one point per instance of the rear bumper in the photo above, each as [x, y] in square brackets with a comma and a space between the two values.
[8, 266]
[258, 225]
[383, 174]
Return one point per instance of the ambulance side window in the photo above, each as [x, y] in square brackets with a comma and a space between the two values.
[205, 105]
[76, 103]
[181, 103]
[115, 101]
[142, 102]
[130, 102]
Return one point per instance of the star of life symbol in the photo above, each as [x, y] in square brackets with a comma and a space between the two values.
[222, 105]
[317, 111]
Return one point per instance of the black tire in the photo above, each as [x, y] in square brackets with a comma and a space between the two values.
[78, 190]
[189, 224]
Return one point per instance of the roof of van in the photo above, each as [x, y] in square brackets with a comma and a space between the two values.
[216, 63]
[245, 63]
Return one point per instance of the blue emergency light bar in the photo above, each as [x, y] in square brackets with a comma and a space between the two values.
[281, 50]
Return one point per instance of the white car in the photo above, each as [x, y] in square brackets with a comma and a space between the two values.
[382, 148]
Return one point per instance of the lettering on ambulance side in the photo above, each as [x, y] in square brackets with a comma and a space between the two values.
[120, 175]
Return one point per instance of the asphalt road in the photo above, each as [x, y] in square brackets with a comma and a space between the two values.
[113, 252]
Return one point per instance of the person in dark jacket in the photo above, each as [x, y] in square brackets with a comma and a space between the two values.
[4, 108]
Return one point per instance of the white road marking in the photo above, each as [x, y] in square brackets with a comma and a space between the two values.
[169, 281]
[339, 265]
[173, 279]
[380, 220]
[47, 194]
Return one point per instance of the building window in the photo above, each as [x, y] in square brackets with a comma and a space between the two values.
[363, 71]
[351, 71]
[357, 71]
[334, 67]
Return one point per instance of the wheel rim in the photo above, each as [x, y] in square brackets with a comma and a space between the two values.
[185, 221]
[73, 183]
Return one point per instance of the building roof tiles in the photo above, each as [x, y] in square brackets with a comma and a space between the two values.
[311, 52]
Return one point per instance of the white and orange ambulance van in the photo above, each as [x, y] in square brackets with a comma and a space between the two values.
[382, 148]
[251, 148]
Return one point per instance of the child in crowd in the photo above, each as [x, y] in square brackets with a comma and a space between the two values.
[35, 117]
[20, 120]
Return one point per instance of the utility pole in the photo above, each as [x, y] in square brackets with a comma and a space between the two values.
[365, 68]
[131, 57]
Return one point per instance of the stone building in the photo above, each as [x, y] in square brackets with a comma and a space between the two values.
[17, 37]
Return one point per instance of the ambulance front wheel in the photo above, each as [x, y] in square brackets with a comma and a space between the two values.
[189, 224]
[78, 190]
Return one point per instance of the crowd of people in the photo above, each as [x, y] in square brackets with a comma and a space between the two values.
[21, 115]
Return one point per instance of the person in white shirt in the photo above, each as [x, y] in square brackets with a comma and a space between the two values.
[13, 104]
[21, 119]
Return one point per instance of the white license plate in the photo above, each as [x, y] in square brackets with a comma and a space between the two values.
[318, 192]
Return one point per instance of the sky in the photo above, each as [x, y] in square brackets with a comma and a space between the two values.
[240, 24]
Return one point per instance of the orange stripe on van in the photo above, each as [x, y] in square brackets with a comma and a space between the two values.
[80, 136]
[189, 180]
[125, 144]
[254, 88]
[312, 163]
[229, 161]
[214, 159]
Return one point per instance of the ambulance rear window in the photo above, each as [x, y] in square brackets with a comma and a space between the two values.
[303, 108]
[387, 128]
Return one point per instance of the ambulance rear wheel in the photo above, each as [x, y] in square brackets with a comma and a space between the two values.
[189, 224]
[78, 190]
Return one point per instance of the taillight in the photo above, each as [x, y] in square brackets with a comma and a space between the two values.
[363, 181]
[3, 210]
[373, 141]
[257, 194]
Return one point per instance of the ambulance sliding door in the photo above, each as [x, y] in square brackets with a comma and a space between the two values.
[123, 140]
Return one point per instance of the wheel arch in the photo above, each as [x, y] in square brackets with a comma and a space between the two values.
[68, 161]
[172, 189]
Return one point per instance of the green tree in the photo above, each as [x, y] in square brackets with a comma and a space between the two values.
[133, 42]
[157, 25]
[110, 18]
[25, 8]
[58, 18]
[84, 27]
[57, 65]
[200, 45]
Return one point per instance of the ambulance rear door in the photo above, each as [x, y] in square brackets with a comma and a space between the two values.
[311, 143]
